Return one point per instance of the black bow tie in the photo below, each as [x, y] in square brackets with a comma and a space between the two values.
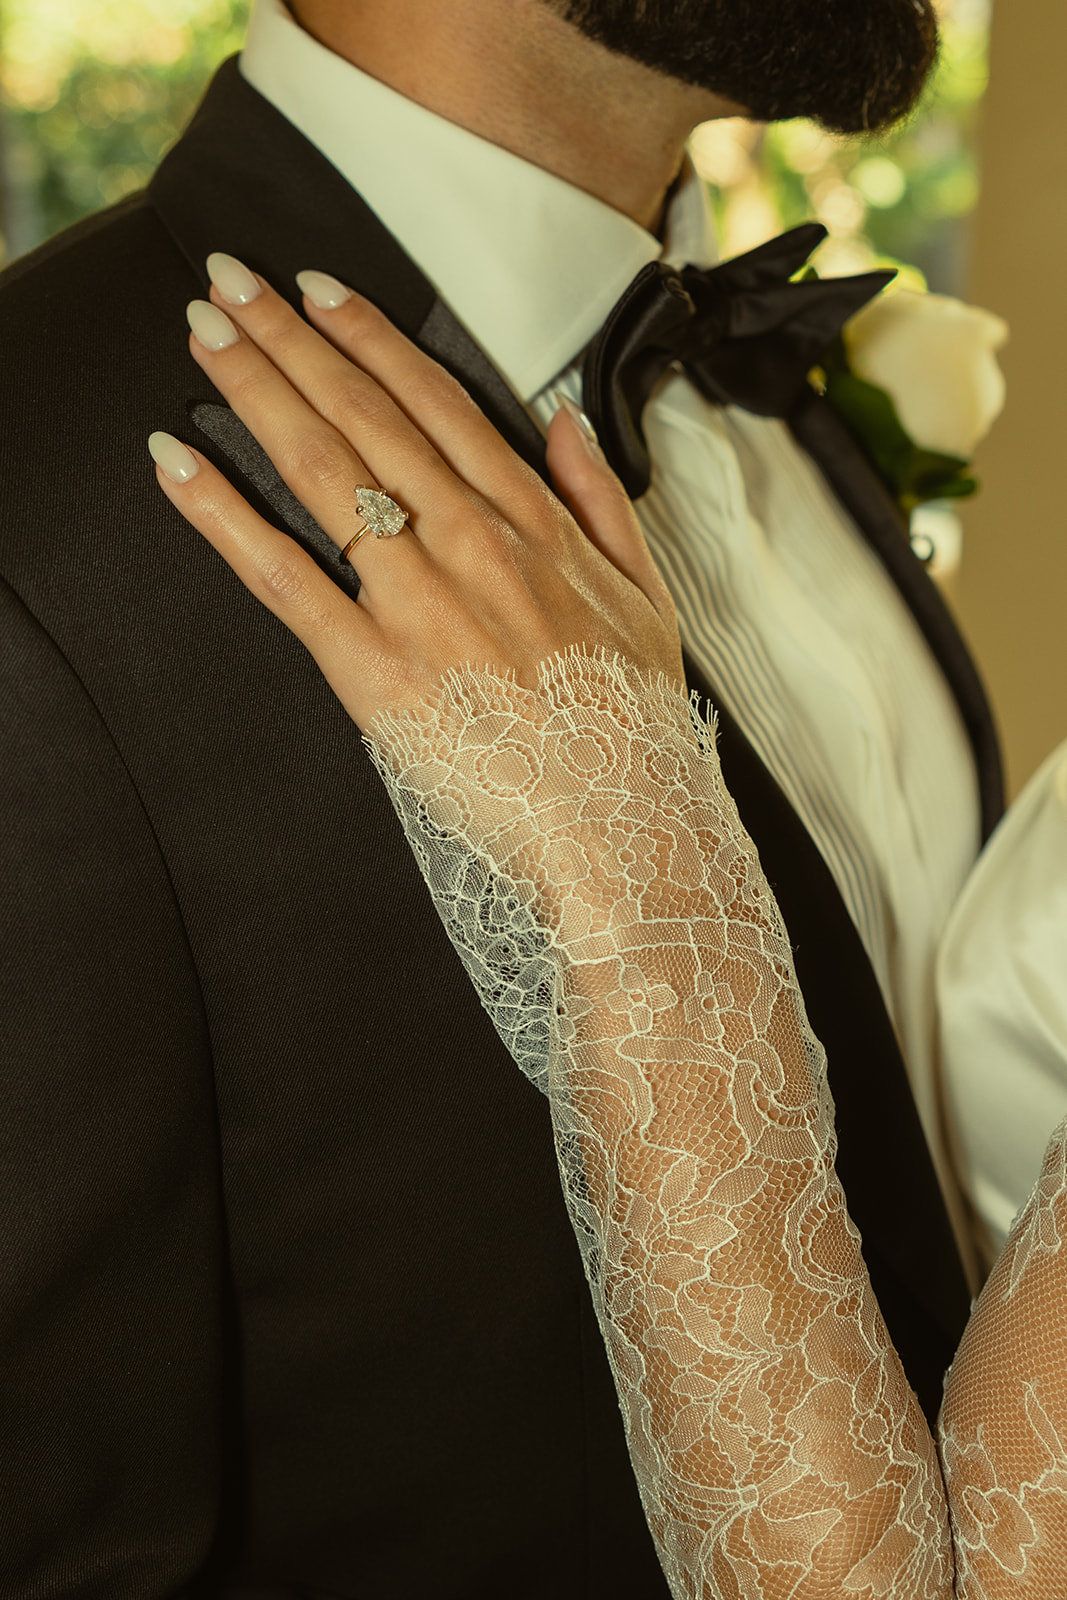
[744, 333]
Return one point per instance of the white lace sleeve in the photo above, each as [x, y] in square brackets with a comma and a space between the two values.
[1004, 1419]
[595, 877]
[593, 873]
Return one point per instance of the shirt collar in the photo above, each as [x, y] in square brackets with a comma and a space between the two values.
[529, 264]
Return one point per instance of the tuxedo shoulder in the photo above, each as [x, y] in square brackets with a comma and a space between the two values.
[59, 245]
[94, 349]
[62, 290]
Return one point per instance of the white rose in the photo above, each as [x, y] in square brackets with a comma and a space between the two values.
[934, 357]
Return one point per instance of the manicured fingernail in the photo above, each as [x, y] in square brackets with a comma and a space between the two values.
[232, 279]
[322, 290]
[212, 327]
[178, 463]
[577, 415]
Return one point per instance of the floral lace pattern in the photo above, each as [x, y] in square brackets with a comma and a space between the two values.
[1004, 1421]
[1038, 1229]
[592, 872]
[610, 909]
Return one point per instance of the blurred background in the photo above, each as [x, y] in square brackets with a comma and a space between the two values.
[968, 197]
[94, 91]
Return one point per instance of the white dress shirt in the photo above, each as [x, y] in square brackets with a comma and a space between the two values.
[780, 600]
[1002, 988]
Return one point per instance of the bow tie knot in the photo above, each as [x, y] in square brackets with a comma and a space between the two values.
[745, 332]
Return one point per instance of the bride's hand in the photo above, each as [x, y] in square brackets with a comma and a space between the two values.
[492, 569]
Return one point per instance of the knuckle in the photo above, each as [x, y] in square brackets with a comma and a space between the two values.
[486, 543]
[462, 515]
[361, 317]
[494, 534]
[444, 396]
[367, 332]
[253, 381]
[547, 516]
[535, 508]
[351, 397]
[283, 581]
[509, 569]
[280, 331]
[286, 586]
[437, 596]
[317, 458]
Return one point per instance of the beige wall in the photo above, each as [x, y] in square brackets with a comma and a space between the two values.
[1012, 590]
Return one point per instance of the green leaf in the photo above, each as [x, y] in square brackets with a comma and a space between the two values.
[913, 474]
[872, 417]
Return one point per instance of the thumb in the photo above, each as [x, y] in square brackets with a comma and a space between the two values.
[598, 502]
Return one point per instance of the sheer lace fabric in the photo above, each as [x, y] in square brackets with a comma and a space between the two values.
[1004, 1420]
[594, 876]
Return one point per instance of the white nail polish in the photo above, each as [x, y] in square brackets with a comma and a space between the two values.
[232, 279]
[578, 415]
[322, 290]
[212, 327]
[178, 463]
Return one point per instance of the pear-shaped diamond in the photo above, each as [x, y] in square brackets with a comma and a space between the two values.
[382, 515]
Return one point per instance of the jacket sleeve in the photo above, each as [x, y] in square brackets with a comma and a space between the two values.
[110, 1216]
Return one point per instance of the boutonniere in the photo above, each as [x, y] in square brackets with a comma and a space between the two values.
[915, 378]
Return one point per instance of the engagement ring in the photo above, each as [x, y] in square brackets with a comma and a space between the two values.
[381, 516]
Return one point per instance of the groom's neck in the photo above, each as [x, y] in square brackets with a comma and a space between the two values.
[515, 73]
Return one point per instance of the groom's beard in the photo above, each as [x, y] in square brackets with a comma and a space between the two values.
[853, 65]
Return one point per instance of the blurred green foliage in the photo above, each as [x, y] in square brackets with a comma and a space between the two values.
[94, 96]
[96, 91]
[900, 198]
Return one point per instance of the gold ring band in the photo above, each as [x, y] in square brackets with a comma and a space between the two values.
[351, 545]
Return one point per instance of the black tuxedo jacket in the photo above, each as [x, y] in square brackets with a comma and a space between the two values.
[289, 1301]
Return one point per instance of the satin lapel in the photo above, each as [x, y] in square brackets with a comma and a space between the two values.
[846, 469]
